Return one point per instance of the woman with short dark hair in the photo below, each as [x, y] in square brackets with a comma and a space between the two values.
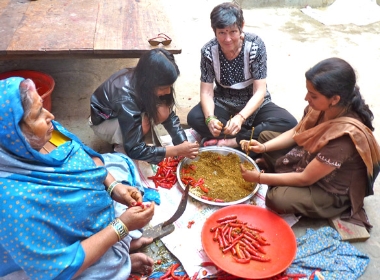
[237, 63]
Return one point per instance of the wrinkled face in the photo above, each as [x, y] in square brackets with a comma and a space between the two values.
[316, 100]
[228, 38]
[163, 90]
[38, 123]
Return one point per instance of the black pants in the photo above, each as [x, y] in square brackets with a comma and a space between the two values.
[270, 117]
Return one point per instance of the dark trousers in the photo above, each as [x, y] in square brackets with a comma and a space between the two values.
[270, 117]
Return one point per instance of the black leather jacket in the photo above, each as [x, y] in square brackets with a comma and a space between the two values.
[116, 99]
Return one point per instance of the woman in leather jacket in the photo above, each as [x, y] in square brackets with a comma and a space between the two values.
[124, 108]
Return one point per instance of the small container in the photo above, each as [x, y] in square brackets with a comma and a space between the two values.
[44, 83]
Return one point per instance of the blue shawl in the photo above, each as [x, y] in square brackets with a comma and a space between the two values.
[49, 203]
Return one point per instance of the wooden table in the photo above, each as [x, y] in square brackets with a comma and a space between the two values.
[81, 28]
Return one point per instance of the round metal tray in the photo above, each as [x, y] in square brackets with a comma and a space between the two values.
[224, 151]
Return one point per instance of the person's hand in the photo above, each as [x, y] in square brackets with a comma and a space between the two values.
[188, 149]
[137, 217]
[253, 146]
[250, 175]
[215, 127]
[233, 126]
[127, 195]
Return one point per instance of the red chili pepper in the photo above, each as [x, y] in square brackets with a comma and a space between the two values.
[246, 253]
[227, 222]
[239, 254]
[167, 273]
[238, 260]
[215, 238]
[260, 258]
[190, 223]
[218, 200]
[220, 241]
[174, 267]
[230, 217]
[229, 238]
[139, 203]
[213, 229]
[192, 167]
[204, 264]
[206, 198]
[203, 188]
[255, 228]
[229, 247]
[252, 251]
[235, 225]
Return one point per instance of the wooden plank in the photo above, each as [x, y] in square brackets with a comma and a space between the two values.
[60, 26]
[134, 22]
[82, 28]
[348, 231]
[11, 14]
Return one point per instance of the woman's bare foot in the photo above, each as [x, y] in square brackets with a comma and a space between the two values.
[221, 142]
[142, 264]
[231, 142]
[139, 243]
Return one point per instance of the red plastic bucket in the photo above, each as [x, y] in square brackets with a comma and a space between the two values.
[44, 83]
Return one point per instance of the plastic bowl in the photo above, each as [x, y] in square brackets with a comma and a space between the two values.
[44, 83]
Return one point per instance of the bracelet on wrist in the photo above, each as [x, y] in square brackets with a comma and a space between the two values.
[112, 186]
[209, 118]
[241, 116]
[120, 228]
[258, 179]
[265, 148]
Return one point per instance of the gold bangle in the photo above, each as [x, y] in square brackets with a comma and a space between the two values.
[120, 228]
[112, 186]
[258, 179]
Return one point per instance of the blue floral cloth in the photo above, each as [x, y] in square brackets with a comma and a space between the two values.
[324, 249]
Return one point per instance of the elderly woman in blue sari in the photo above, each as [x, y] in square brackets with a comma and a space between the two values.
[59, 200]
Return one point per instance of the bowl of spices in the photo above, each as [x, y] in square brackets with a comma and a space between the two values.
[215, 177]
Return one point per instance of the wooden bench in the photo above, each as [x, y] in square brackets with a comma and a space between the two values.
[81, 28]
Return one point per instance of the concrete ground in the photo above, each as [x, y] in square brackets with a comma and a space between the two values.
[294, 43]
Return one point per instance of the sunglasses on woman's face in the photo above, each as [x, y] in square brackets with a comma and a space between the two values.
[160, 39]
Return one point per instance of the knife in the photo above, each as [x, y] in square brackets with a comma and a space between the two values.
[168, 227]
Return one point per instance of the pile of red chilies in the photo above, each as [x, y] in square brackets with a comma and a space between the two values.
[166, 175]
[243, 241]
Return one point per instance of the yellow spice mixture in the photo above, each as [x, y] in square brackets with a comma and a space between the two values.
[221, 174]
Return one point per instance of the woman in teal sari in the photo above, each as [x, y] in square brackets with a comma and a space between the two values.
[66, 211]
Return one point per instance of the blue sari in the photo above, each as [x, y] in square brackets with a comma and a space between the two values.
[49, 202]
